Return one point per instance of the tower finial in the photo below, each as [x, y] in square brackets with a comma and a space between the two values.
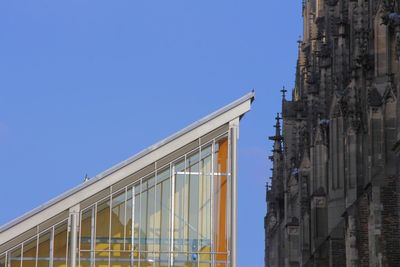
[283, 91]
[277, 118]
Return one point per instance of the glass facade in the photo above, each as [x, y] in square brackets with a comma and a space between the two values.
[177, 215]
[47, 249]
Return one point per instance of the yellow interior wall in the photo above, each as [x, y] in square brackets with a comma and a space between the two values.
[221, 238]
[60, 246]
[29, 252]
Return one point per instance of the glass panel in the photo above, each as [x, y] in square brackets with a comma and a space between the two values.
[15, 260]
[206, 160]
[102, 233]
[181, 212]
[163, 209]
[44, 250]
[87, 230]
[60, 245]
[147, 211]
[29, 253]
[118, 221]
[192, 176]
[101, 259]
[186, 260]
[3, 261]
[204, 244]
[128, 221]
[161, 259]
[187, 206]
[204, 260]
[151, 218]
[221, 188]
[143, 217]
[137, 214]
[85, 259]
[120, 259]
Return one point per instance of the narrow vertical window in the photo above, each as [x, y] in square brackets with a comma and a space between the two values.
[118, 258]
[29, 253]
[60, 245]
[192, 175]
[136, 225]
[102, 233]
[128, 221]
[44, 250]
[205, 199]
[15, 257]
[161, 224]
[221, 193]
[86, 238]
[181, 215]
[151, 218]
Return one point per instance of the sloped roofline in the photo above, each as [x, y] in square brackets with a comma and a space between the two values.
[248, 98]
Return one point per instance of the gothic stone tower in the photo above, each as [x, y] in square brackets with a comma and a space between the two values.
[334, 197]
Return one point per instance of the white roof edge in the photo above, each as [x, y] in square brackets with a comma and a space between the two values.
[4, 237]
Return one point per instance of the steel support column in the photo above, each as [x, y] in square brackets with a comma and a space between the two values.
[234, 135]
[74, 226]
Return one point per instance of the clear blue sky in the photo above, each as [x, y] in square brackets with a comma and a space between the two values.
[86, 84]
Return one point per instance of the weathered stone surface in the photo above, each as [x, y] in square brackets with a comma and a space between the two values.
[334, 194]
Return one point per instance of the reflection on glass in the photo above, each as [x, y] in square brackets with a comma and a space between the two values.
[128, 221]
[181, 212]
[118, 221]
[205, 203]
[143, 222]
[147, 221]
[163, 209]
[137, 215]
[192, 177]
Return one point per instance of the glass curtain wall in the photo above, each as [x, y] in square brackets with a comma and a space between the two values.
[175, 216]
[47, 249]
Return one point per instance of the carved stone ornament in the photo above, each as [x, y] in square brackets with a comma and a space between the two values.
[388, 5]
[293, 230]
[374, 97]
[319, 202]
[272, 221]
[332, 2]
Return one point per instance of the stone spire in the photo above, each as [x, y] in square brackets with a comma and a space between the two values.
[276, 158]
[277, 138]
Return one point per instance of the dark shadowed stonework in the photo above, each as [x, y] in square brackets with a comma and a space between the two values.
[334, 195]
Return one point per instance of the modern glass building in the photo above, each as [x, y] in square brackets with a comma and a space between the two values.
[173, 204]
